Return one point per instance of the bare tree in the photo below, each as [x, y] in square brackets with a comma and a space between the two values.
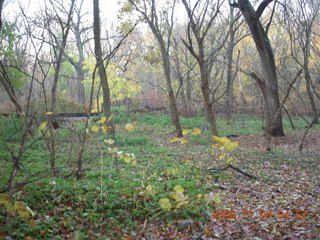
[300, 18]
[100, 61]
[199, 29]
[65, 28]
[79, 31]
[183, 67]
[161, 24]
[268, 84]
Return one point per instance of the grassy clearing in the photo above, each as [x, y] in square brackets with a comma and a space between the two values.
[107, 203]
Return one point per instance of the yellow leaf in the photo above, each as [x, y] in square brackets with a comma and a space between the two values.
[149, 188]
[109, 118]
[224, 140]
[9, 207]
[229, 160]
[220, 141]
[49, 113]
[186, 131]
[215, 138]
[127, 159]
[165, 203]
[129, 127]
[134, 163]
[4, 198]
[217, 198]
[179, 188]
[112, 150]
[181, 204]
[7, 203]
[178, 196]
[106, 128]
[175, 140]
[102, 120]
[23, 210]
[109, 141]
[95, 129]
[196, 131]
[231, 145]
[216, 145]
[221, 156]
[184, 141]
[199, 196]
[43, 125]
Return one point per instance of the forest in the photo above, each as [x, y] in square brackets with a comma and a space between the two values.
[156, 120]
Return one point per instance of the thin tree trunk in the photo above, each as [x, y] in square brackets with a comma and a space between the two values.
[79, 65]
[59, 59]
[172, 100]
[229, 102]
[308, 77]
[100, 64]
[207, 100]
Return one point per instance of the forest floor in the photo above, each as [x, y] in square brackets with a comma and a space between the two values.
[282, 202]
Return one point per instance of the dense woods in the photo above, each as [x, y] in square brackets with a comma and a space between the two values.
[145, 119]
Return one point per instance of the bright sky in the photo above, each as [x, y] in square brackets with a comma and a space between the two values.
[108, 8]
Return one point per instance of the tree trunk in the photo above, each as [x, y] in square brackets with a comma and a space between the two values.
[172, 100]
[80, 87]
[79, 66]
[207, 100]
[229, 101]
[100, 64]
[1, 7]
[59, 59]
[308, 77]
[268, 85]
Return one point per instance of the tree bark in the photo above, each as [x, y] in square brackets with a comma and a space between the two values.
[1, 7]
[307, 76]
[100, 63]
[207, 99]
[79, 65]
[172, 100]
[269, 84]
[229, 101]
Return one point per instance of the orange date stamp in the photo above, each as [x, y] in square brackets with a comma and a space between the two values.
[260, 214]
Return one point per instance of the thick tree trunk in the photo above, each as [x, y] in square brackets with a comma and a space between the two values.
[268, 85]
[99, 59]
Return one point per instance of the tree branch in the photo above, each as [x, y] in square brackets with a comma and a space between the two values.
[262, 7]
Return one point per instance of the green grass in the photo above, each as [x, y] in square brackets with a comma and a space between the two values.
[106, 202]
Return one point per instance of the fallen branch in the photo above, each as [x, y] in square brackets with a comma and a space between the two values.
[234, 168]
